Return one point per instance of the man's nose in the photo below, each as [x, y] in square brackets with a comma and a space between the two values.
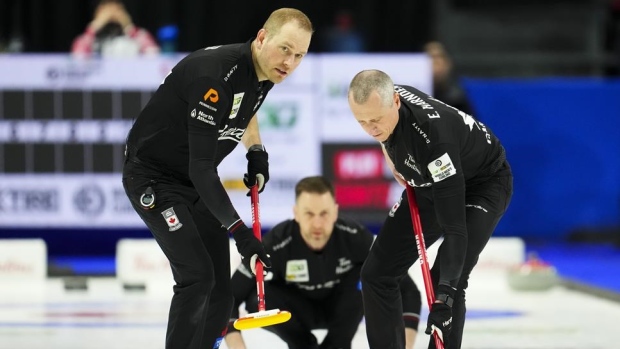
[288, 61]
[371, 129]
[316, 222]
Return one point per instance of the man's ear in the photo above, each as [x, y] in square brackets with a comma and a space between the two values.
[397, 100]
[260, 37]
[295, 213]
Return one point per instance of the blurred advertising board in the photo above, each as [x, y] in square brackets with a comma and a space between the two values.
[364, 185]
[63, 123]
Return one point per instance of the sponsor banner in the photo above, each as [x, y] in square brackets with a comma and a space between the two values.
[141, 261]
[23, 259]
[364, 184]
[48, 71]
[65, 200]
[64, 131]
[309, 107]
[335, 75]
[99, 201]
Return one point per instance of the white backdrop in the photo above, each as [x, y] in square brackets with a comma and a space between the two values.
[307, 109]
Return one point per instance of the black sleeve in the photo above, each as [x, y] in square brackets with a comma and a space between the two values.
[449, 200]
[276, 274]
[368, 238]
[351, 279]
[412, 302]
[202, 133]
[242, 283]
[357, 243]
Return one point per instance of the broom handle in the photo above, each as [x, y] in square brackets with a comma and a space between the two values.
[419, 239]
[260, 285]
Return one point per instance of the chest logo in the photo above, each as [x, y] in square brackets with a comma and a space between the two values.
[297, 270]
[211, 95]
[343, 266]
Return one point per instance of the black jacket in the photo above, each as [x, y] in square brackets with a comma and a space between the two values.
[439, 147]
[197, 117]
[316, 275]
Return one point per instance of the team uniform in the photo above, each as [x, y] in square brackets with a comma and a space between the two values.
[320, 289]
[463, 186]
[194, 120]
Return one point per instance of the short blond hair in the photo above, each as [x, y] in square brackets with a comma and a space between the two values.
[368, 81]
[280, 17]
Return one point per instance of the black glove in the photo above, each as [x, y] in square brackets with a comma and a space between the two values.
[440, 317]
[258, 168]
[250, 248]
[440, 320]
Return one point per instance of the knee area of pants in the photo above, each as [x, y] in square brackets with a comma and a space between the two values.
[369, 273]
[203, 280]
[222, 297]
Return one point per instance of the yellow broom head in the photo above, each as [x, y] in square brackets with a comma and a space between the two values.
[262, 319]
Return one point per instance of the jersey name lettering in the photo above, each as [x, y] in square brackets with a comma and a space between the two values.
[411, 98]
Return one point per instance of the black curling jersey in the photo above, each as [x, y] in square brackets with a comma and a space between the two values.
[438, 146]
[315, 274]
[197, 117]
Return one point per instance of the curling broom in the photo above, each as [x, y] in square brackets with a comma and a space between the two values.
[419, 239]
[263, 317]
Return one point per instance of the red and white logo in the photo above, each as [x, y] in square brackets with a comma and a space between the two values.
[171, 219]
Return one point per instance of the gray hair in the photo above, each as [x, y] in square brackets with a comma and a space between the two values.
[367, 81]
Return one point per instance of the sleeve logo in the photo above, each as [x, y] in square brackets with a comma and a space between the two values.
[442, 168]
[237, 99]
[211, 95]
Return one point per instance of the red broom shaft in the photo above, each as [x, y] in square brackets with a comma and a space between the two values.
[260, 285]
[426, 273]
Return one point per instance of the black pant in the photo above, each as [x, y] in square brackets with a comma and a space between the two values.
[340, 314]
[394, 251]
[197, 247]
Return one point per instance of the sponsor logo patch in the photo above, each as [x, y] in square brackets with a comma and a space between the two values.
[211, 95]
[345, 265]
[395, 207]
[171, 219]
[442, 168]
[297, 270]
[237, 99]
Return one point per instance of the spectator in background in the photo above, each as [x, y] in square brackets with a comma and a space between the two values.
[342, 36]
[446, 85]
[112, 33]
[316, 262]
[11, 26]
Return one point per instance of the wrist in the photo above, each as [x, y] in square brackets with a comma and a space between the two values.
[443, 298]
[445, 294]
[236, 226]
[256, 147]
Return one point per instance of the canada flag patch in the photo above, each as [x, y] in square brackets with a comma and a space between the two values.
[171, 219]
